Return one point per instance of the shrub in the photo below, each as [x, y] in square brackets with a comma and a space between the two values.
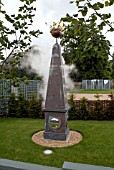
[84, 110]
[41, 113]
[73, 108]
[12, 106]
[79, 110]
[35, 108]
[91, 110]
[110, 108]
[22, 107]
[98, 113]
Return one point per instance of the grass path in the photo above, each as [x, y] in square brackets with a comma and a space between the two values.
[97, 146]
[83, 91]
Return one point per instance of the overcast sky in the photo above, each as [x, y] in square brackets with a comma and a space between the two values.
[49, 11]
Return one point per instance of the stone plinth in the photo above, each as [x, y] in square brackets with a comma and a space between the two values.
[60, 133]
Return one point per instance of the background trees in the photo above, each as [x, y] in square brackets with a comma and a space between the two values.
[16, 39]
[83, 43]
[86, 47]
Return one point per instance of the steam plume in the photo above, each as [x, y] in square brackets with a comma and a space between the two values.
[39, 58]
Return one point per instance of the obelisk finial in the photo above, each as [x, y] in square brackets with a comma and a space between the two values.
[57, 29]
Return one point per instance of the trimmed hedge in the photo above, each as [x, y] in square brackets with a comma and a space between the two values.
[19, 107]
[91, 110]
[79, 109]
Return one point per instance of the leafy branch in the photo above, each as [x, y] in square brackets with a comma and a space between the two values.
[101, 17]
[17, 39]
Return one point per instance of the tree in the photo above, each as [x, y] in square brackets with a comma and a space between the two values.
[112, 65]
[86, 47]
[84, 7]
[83, 42]
[28, 72]
[21, 33]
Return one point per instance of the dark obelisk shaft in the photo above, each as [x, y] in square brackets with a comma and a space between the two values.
[56, 96]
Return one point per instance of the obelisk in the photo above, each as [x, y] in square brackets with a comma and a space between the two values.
[56, 104]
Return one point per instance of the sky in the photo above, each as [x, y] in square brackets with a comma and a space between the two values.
[46, 11]
[49, 11]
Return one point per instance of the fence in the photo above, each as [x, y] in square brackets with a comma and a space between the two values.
[26, 88]
[97, 84]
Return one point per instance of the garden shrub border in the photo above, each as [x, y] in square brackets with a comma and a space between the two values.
[19, 107]
[91, 110]
[82, 109]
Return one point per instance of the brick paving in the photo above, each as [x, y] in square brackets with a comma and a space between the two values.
[91, 96]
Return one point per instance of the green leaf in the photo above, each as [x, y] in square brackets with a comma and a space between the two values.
[111, 2]
[31, 1]
[23, 32]
[75, 15]
[3, 12]
[81, 19]
[95, 48]
[106, 3]
[103, 24]
[71, 2]
[94, 18]
[100, 4]
[84, 13]
[21, 8]
[67, 15]
[13, 15]
[13, 31]
[8, 18]
[19, 16]
[80, 7]
[95, 6]
[77, 3]
[74, 21]
[100, 27]
[111, 29]
[106, 16]
[1, 57]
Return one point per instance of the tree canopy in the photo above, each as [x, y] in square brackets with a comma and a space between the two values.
[16, 39]
[83, 42]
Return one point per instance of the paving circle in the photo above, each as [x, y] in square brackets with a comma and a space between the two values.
[75, 137]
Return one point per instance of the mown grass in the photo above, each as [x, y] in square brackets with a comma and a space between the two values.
[83, 91]
[96, 148]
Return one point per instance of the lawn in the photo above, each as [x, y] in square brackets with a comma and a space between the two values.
[88, 91]
[96, 148]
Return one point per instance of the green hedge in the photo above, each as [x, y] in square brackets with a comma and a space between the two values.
[19, 107]
[79, 109]
[91, 110]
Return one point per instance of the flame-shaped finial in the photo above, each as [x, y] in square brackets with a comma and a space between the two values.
[57, 29]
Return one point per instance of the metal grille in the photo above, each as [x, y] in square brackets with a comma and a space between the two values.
[27, 88]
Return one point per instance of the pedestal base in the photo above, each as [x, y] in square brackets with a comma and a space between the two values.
[57, 136]
[60, 132]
